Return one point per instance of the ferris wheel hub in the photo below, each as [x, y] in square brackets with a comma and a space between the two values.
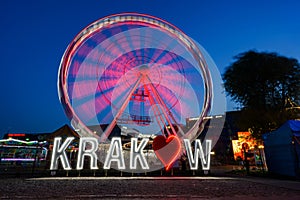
[144, 70]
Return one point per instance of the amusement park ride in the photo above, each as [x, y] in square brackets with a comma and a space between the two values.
[139, 72]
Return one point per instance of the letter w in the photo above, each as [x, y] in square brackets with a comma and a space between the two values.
[193, 160]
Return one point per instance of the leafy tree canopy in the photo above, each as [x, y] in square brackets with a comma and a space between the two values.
[267, 86]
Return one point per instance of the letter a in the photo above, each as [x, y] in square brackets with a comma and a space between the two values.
[115, 154]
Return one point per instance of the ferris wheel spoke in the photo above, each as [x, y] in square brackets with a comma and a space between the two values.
[129, 41]
[166, 55]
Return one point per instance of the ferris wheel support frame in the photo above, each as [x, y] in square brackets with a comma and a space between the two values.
[109, 129]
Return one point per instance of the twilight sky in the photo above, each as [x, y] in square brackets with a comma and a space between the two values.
[34, 35]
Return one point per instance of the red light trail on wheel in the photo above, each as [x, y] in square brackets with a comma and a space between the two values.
[137, 70]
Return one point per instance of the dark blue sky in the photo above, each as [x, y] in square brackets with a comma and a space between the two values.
[34, 35]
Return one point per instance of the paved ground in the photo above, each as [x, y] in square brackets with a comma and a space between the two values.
[148, 188]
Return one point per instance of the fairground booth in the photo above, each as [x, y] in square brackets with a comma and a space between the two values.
[282, 149]
[15, 150]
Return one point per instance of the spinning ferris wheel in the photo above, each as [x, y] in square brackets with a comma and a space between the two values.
[137, 71]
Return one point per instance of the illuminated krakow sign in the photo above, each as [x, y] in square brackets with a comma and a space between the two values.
[139, 92]
[115, 154]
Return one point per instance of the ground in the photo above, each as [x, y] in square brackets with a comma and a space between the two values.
[222, 183]
[204, 187]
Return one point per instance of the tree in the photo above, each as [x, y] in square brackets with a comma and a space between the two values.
[268, 88]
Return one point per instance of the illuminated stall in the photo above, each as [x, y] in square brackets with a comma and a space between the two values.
[246, 147]
[14, 150]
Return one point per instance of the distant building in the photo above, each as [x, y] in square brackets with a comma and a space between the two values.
[27, 136]
[223, 152]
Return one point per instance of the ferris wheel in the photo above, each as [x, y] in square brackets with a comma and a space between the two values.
[135, 71]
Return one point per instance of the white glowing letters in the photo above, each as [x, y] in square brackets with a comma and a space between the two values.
[115, 154]
[204, 157]
[59, 151]
[136, 153]
[91, 152]
[88, 147]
